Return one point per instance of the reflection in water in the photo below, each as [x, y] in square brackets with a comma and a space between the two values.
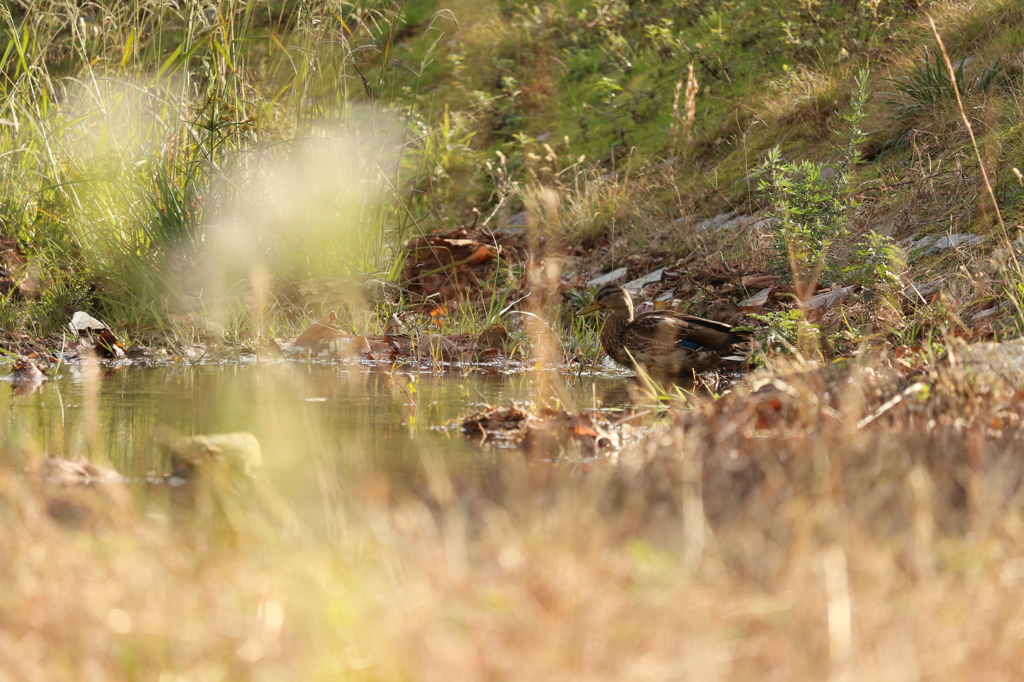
[342, 418]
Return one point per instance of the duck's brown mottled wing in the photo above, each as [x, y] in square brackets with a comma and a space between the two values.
[671, 329]
[645, 343]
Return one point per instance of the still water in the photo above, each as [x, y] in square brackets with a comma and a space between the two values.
[357, 419]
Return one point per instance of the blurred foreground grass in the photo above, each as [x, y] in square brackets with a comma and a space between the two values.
[859, 521]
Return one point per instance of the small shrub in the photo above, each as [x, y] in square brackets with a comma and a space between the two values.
[783, 332]
[810, 202]
[877, 260]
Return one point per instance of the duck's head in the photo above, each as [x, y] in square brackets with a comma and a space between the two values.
[610, 297]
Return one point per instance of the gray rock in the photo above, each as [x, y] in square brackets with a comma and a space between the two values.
[730, 222]
[738, 224]
[923, 243]
[516, 220]
[83, 322]
[756, 303]
[1005, 306]
[831, 174]
[828, 298]
[953, 241]
[639, 283]
[715, 223]
[994, 365]
[932, 244]
[762, 223]
[608, 277]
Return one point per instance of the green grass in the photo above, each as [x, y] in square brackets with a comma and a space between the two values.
[156, 156]
[166, 164]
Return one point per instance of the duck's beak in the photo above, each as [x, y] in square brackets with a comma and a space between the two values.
[593, 307]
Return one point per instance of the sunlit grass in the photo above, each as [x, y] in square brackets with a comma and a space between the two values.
[199, 177]
[127, 177]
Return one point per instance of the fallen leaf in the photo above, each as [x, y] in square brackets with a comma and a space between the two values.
[358, 347]
[378, 349]
[459, 242]
[437, 347]
[828, 298]
[758, 281]
[319, 333]
[501, 423]
[482, 254]
[755, 303]
[494, 336]
[487, 354]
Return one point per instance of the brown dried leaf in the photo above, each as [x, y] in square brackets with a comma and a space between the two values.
[437, 347]
[757, 302]
[320, 332]
[377, 349]
[400, 343]
[503, 423]
[758, 281]
[494, 336]
[358, 347]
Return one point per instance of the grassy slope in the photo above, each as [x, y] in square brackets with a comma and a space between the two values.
[577, 96]
[565, 80]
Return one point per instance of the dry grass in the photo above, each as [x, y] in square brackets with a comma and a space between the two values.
[857, 521]
[806, 97]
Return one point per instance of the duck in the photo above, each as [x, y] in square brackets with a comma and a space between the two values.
[664, 343]
[26, 378]
[26, 372]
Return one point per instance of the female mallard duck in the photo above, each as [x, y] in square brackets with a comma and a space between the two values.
[665, 343]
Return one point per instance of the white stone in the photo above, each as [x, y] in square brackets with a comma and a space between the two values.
[715, 223]
[953, 241]
[828, 298]
[608, 277]
[84, 322]
[639, 283]
[933, 244]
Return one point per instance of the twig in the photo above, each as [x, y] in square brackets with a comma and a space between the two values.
[904, 182]
[889, 404]
[974, 142]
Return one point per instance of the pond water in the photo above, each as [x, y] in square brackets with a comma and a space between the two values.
[355, 418]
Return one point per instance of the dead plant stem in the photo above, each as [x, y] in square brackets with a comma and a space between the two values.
[977, 151]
